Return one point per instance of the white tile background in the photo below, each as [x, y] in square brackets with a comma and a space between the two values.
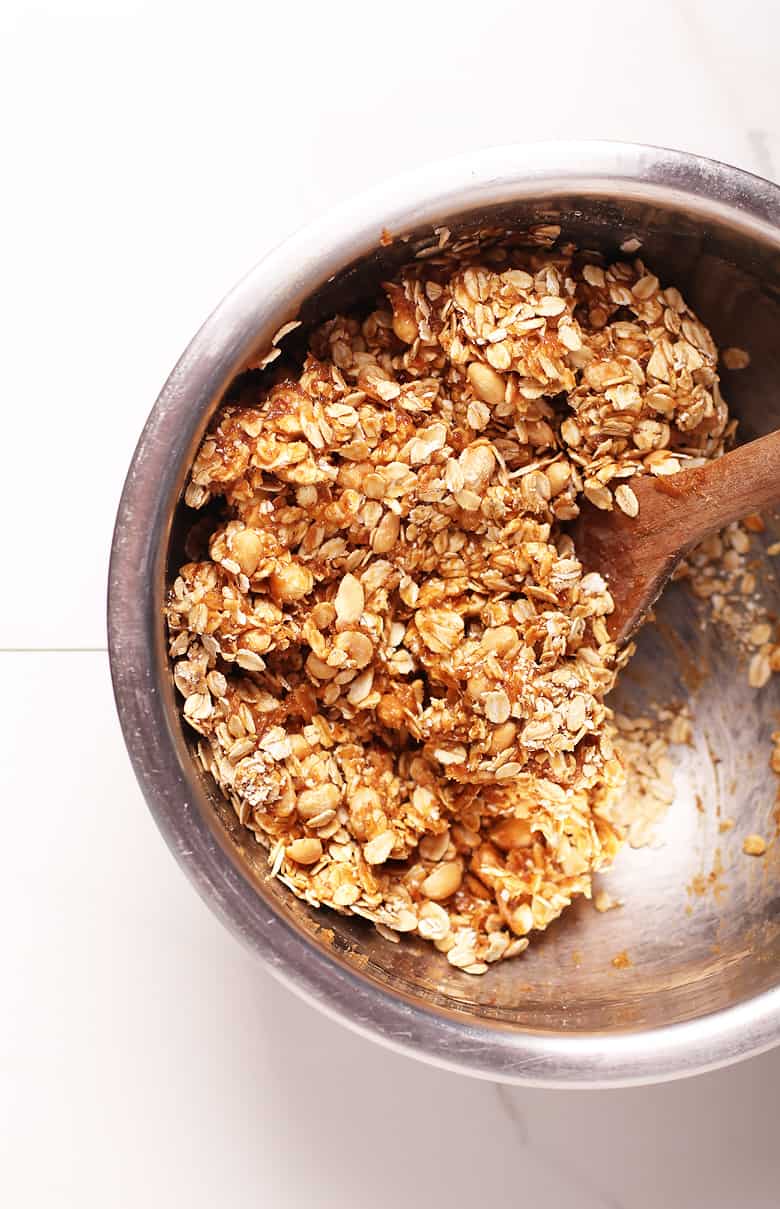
[151, 153]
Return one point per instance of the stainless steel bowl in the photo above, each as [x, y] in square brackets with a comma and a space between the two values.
[703, 987]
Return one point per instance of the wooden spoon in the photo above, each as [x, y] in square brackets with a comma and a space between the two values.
[636, 555]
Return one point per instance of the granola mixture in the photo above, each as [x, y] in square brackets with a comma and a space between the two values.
[393, 656]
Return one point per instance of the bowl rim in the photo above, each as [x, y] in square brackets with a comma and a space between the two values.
[269, 295]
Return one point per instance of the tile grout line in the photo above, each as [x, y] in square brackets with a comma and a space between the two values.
[53, 650]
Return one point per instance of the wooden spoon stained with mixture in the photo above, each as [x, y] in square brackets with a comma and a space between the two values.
[636, 555]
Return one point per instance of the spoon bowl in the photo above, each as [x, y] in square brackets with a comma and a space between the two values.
[638, 554]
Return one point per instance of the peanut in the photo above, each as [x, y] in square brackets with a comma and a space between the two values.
[305, 852]
[312, 802]
[443, 881]
[511, 833]
[487, 384]
[291, 581]
[247, 546]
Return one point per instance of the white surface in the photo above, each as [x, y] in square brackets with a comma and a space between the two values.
[153, 152]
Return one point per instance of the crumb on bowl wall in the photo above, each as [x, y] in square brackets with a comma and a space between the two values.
[735, 358]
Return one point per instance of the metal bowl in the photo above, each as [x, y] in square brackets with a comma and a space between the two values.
[703, 986]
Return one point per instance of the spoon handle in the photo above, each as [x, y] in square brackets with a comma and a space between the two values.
[689, 506]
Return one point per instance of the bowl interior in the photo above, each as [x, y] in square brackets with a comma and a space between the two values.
[700, 921]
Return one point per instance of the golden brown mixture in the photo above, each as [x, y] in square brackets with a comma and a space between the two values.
[392, 653]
